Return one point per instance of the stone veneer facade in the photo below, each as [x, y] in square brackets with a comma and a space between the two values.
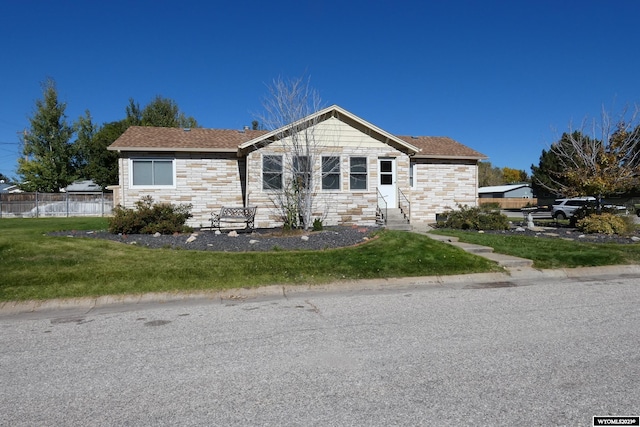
[209, 181]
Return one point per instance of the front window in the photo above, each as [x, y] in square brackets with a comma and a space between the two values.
[152, 172]
[331, 173]
[302, 171]
[358, 173]
[272, 172]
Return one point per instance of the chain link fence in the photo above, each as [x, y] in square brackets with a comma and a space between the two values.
[36, 205]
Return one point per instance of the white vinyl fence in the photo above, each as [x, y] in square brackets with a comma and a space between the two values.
[35, 205]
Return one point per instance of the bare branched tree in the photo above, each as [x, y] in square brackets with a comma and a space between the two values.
[287, 104]
[600, 158]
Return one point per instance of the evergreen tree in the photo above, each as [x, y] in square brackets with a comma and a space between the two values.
[48, 164]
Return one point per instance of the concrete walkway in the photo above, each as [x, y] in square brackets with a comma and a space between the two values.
[506, 261]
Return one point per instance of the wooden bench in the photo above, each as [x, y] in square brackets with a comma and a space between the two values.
[233, 215]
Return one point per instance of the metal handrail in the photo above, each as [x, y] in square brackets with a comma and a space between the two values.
[403, 200]
[379, 208]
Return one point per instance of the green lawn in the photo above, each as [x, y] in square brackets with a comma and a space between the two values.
[38, 266]
[553, 253]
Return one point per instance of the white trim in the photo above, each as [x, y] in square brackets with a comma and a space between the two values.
[367, 172]
[149, 186]
[413, 173]
[339, 173]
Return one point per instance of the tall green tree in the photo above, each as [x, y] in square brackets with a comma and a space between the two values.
[161, 112]
[103, 166]
[48, 164]
[97, 163]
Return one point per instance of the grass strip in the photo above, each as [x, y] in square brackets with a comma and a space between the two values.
[553, 252]
[36, 266]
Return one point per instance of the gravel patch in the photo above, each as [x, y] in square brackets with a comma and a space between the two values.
[259, 240]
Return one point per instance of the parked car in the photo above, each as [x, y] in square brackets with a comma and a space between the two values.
[564, 208]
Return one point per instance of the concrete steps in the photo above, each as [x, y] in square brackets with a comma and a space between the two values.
[397, 221]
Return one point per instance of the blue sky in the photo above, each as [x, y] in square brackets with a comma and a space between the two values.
[503, 77]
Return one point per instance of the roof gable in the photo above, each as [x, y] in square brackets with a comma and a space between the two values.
[340, 114]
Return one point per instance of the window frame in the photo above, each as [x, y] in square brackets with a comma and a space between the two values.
[265, 186]
[334, 171]
[153, 161]
[365, 173]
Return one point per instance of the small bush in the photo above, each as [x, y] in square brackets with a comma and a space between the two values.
[475, 218]
[317, 224]
[587, 210]
[149, 218]
[606, 223]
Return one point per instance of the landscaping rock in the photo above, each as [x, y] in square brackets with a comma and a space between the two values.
[233, 233]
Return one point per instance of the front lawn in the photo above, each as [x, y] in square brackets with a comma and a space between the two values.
[38, 266]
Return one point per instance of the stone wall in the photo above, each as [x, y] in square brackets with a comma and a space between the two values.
[442, 185]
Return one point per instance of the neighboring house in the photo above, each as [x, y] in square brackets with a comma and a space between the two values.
[9, 188]
[506, 191]
[364, 168]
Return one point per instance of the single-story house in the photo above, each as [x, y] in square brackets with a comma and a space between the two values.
[506, 191]
[359, 170]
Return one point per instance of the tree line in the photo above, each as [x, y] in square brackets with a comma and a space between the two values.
[600, 158]
[57, 152]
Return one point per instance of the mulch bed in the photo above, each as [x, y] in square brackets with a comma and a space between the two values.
[259, 240]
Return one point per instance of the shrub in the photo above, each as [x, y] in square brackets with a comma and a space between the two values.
[149, 218]
[317, 224]
[588, 210]
[605, 223]
[476, 218]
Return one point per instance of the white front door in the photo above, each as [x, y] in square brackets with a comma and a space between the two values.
[387, 181]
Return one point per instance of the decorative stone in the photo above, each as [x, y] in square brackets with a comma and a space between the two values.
[253, 241]
[157, 234]
[520, 229]
[191, 238]
[582, 236]
[481, 231]
[233, 233]
[635, 239]
[217, 233]
[305, 238]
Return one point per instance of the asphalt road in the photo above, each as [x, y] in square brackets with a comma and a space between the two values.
[509, 353]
